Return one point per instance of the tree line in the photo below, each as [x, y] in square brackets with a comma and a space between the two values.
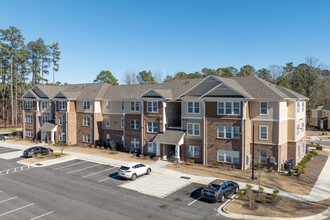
[23, 65]
[310, 78]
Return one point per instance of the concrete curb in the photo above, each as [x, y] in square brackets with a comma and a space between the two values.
[222, 211]
[49, 162]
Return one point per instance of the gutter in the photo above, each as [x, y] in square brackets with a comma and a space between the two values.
[204, 135]
[142, 126]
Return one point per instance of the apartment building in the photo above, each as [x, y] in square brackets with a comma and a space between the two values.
[321, 117]
[207, 120]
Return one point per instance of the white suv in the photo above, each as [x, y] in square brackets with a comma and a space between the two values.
[133, 170]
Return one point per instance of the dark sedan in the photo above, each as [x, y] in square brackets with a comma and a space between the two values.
[33, 151]
[217, 190]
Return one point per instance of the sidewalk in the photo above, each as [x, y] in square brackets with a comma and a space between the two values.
[320, 191]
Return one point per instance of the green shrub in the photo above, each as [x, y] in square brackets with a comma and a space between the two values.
[314, 153]
[304, 170]
[57, 154]
[261, 189]
[290, 173]
[216, 164]
[222, 164]
[275, 191]
[282, 170]
[319, 148]
[240, 193]
[40, 156]
[233, 166]
[270, 170]
[261, 199]
[312, 144]
[299, 173]
[192, 161]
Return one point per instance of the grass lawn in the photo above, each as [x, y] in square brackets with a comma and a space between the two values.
[285, 207]
[317, 133]
[21, 141]
[3, 130]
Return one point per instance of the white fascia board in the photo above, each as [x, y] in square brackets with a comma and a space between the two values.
[149, 91]
[211, 90]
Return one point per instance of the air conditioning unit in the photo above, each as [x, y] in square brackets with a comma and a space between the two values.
[248, 159]
[272, 160]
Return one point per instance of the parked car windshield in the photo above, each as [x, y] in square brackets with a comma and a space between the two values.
[124, 168]
[213, 186]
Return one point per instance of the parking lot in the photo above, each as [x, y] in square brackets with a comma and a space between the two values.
[79, 189]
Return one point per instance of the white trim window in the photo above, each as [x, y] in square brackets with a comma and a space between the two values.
[28, 105]
[229, 108]
[44, 119]
[298, 107]
[135, 124]
[122, 105]
[107, 122]
[228, 132]
[193, 151]
[193, 107]
[28, 118]
[61, 105]
[86, 105]
[152, 107]
[135, 106]
[298, 129]
[122, 122]
[263, 132]
[193, 129]
[228, 156]
[107, 107]
[152, 147]
[135, 143]
[152, 127]
[263, 108]
[107, 139]
[87, 121]
[28, 132]
[61, 137]
[298, 151]
[263, 157]
[302, 106]
[86, 138]
[44, 105]
[62, 120]
[302, 127]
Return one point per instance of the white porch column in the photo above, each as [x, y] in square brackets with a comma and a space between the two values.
[164, 155]
[52, 137]
[158, 150]
[177, 151]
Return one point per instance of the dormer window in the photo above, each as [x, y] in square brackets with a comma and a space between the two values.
[263, 108]
[28, 105]
[87, 105]
[193, 107]
[152, 107]
[61, 105]
[108, 105]
[44, 105]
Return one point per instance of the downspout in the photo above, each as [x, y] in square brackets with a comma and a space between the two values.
[279, 138]
[94, 123]
[124, 130]
[66, 121]
[23, 130]
[204, 135]
[243, 133]
[36, 130]
[142, 126]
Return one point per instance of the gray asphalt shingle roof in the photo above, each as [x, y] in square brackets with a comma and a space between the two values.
[169, 137]
[48, 126]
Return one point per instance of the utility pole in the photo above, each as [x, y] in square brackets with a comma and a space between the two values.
[253, 151]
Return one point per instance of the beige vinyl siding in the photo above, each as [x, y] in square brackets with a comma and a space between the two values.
[97, 106]
[273, 110]
[291, 109]
[115, 122]
[283, 110]
[199, 121]
[272, 132]
[284, 131]
[80, 107]
[185, 109]
[291, 130]
[128, 107]
[115, 107]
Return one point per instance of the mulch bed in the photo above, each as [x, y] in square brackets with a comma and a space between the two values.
[313, 169]
[256, 204]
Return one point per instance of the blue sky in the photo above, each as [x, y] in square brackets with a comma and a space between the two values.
[172, 35]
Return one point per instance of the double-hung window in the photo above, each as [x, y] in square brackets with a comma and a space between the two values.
[298, 129]
[135, 124]
[153, 127]
[135, 143]
[28, 105]
[62, 120]
[108, 105]
[44, 105]
[28, 118]
[302, 106]
[152, 147]
[28, 132]
[263, 157]
[135, 106]
[122, 105]
[62, 137]
[193, 151]
[193, 107]
[86, 105]
[86, 138]
[263, 132]
[86, 121]
[61, 105]
[228, 108]
[122, 122]
[298, 107]
[44, 119]
[302, 127]
[193, 129]
[263, 108]
[152, 107]
[107, 122]
[228, 156]
[229, 132]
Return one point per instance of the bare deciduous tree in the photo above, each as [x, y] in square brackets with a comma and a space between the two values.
[276, 71]
[130, 77]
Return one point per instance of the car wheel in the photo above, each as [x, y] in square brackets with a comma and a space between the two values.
[222, 198]
[134, 177]
[148, 171]
[33, 155]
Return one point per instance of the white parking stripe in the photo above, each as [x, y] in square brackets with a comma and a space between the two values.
[98, 172]
[1, 150]
[8, 199]
[16, 209]
[42, 215]
[107, 178]
[194, 201]
[70, 165]
[83, 169]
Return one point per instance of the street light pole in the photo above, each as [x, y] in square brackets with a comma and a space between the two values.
[253, 151]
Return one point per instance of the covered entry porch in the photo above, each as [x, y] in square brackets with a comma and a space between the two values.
[169, 143]
[48, 132]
